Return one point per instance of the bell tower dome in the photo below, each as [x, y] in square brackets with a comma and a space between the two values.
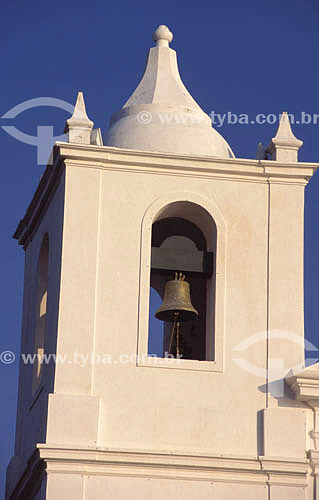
[161, 115]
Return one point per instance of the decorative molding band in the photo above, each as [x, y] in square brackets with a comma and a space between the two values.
[107, 157]
[55, 459]
[283, 464]
[109, 153]
[196, 467]
[305, 383]
[235, 176]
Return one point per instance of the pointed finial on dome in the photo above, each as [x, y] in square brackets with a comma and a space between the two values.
[79, 126]
[284, 146]
[162, 36]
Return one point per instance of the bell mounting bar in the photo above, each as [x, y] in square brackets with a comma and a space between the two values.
[196, 263]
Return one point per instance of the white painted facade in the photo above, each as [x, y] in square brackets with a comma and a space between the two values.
[190, 429]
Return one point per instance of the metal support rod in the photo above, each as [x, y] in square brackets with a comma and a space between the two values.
[171, 338]
[177, 339]
[175, 327]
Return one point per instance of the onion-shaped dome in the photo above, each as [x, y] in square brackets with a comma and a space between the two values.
[161, 115]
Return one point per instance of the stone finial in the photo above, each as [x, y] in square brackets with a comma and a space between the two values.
[162, 36]
[79, 126]
[284, 146]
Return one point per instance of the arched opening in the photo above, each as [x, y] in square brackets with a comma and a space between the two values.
[41, 313]
[184, 240]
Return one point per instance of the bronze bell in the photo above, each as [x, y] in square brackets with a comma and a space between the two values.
[177, 305]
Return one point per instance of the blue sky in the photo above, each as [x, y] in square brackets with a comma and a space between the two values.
[244, 57]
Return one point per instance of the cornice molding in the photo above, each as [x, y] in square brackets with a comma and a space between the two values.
[104, 156]
[305, 384]
[191, 466]
[199, 467]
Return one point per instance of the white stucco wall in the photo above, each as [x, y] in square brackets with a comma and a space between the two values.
[187, 409]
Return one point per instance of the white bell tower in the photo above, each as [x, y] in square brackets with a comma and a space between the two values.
[107, 227]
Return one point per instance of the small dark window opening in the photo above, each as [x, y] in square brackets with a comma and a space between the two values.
[41, 313]
[179, 245]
